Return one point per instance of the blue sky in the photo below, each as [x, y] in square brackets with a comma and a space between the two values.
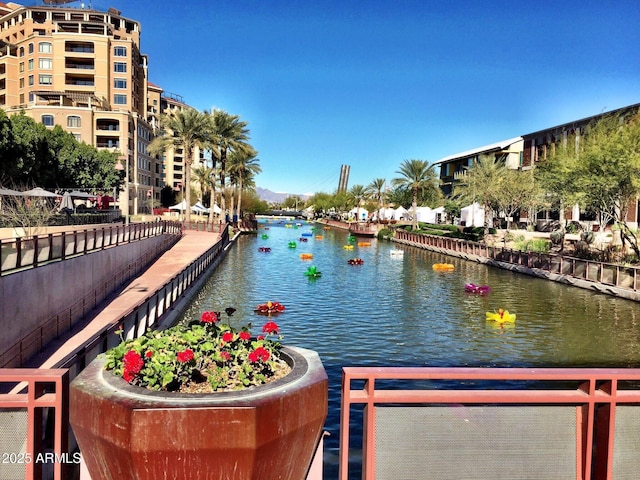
[372, 83]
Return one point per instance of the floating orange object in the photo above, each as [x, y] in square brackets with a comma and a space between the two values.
[443, 267]
[364, 244]
[319, 237]
[306, 256]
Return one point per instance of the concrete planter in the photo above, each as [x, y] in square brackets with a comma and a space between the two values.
[267, 432]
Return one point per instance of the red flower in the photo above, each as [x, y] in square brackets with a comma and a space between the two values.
[133, 361]
[185, 356]
[227, 337]
[270, 327]
[128, 376]
[260, 337]
[208, 317]
[258, 354]
[226, 356]
[149, 354]
[244, 335]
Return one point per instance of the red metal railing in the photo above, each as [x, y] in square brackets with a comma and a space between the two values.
[596, 394]
[29, 252]
[43, 395]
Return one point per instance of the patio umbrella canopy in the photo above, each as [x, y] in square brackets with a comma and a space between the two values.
[39, 192]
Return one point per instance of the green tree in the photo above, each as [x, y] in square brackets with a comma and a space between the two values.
[203, 176]
[416, 175]
[608, 174]
[187, 129]
[482, 183]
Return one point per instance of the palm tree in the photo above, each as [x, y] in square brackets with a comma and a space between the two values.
[228, 133]
[187, 129]
[357, 194]
[482, 183]
[416, 175]
[243, 165]
[376, 188]
[202, 175]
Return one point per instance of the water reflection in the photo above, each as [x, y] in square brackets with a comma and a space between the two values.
[396, 310]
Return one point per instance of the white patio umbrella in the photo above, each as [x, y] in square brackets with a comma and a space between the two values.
[66, 204]
[79, 194]
[9, 192]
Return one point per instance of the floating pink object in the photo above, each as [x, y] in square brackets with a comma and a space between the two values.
[479, 289]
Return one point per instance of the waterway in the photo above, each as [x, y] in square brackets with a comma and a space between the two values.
[398, 311]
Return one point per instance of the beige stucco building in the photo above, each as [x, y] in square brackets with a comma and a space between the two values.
[82, 69]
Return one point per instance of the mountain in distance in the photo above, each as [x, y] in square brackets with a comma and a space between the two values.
[274, 197]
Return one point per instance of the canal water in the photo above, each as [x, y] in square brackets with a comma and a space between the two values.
[398, 311]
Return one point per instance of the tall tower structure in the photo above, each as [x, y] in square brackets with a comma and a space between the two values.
[343, 182]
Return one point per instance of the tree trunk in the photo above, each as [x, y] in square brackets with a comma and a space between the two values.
[223, 177]
[187, 184]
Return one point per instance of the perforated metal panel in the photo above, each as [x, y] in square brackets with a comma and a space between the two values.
[626, 443]
[13, 443]
[476, 442]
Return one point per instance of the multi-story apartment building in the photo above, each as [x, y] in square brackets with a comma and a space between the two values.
[82, 69]
[525, 152]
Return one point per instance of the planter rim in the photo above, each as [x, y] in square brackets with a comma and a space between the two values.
[306, 367]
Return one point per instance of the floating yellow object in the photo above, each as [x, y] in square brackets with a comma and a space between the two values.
[327, 228]
[306, 256]
[364, 244]
[501, 316]
[443, 267]
[288, 225]
[348, 247]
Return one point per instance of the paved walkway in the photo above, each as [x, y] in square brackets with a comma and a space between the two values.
[191, 246]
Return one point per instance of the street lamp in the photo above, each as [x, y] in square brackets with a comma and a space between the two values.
[119, 166]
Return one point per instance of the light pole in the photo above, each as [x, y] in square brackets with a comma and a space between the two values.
[119, 166]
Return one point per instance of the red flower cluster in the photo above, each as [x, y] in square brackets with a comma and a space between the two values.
[185, 356]
[133, 363]
[270, 327]
[258, 354]
[227, 337]
[208, 317]
[244, 335]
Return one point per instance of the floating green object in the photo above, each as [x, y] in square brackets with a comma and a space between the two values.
[352, 239]
[313, 272]
[293, 244]
[265, 236]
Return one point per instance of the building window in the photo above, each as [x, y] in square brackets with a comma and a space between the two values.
[73, 121]
[32, 97]
[31, 64]
[46, 80]
[47, 120]
[22, 83]
[120, 99]
[119, 83]
[21, 54]
[21, 67]
[120, 67]
[78, 137]
[31, 48]
[30, 80]
[120, 51]
[46, 64]
[21, 98]
[45, 47]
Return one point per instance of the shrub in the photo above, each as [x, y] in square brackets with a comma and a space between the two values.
[384, 233]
